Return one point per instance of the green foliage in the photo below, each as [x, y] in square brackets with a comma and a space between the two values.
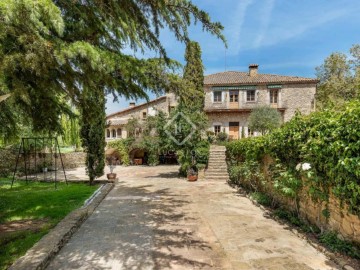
[193, 96]
[264, 119]
[133, 127]
[122, 146]
[51, 50]
[331, 240]
[339, 77]
[261, 198]
[247, 174]
[328, 140]
[222, 137]
[92, 131]
[35, 201]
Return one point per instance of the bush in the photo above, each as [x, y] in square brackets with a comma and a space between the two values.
[331, 240]
[261, 198]
[222, 137]
[122, 146]
[328, 140]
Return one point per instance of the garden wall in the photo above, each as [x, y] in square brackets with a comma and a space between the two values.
[337, 218]
[8, 161]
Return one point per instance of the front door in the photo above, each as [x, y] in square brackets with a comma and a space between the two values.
[234, 130]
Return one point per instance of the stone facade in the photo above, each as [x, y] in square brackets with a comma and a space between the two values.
[229, 110]
[231, 96]
[117, 121]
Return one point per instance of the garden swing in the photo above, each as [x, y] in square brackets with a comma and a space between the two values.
[40, 154]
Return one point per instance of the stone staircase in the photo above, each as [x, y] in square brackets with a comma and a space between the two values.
[217, 168]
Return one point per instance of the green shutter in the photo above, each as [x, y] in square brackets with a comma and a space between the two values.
[240, 87]
[274, 86]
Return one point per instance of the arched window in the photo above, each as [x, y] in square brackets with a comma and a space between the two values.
[119, 132]
[108, 133]
[114, 133]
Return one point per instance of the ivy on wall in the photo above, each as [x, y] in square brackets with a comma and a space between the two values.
[327, 141]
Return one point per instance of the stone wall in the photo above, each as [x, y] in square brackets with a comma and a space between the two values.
[8, 158]
[339, 220]
[292, 97]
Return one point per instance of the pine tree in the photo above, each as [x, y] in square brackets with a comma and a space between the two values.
[52, 51]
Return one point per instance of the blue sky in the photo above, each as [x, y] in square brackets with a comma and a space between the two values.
[288, 37]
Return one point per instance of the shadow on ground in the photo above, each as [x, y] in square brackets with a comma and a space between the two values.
[136, 228]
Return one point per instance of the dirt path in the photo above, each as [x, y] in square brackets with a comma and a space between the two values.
[154, 220]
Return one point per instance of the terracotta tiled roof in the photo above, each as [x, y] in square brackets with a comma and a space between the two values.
[127, 110]
[238, 77]
[117, 122]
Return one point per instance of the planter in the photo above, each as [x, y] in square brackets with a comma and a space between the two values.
[192, 178]
[111, 176]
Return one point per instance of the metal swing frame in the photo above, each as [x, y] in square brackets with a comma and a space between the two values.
[26, 151]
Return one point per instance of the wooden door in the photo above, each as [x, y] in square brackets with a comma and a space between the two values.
[234, 130]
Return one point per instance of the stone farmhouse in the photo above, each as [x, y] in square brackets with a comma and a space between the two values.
[116, 122]
[229, 100]
[231, 95]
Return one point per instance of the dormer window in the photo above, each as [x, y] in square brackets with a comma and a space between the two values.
[217, 96]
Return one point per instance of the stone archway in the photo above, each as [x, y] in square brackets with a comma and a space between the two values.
[138, 156]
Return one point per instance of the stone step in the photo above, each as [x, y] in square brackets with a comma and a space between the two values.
[216, 164]
[217, 168]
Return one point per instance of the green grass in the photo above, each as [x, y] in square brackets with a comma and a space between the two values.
[35, 201]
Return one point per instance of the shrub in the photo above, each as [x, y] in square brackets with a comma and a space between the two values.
[122, 146]
[222, 137]
[328, 140]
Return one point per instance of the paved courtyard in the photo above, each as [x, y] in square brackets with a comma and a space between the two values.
[154, 220]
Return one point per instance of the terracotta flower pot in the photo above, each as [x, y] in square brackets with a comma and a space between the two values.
[192, 178]
[111, 176]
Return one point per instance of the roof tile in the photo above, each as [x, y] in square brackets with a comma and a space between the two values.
[238, 77]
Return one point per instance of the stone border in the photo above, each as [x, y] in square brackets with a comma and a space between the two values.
[40, 255]
[332, 256]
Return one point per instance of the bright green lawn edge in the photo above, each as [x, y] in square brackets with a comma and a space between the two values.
[35, 201]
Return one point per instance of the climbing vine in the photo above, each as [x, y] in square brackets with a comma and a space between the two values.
[327, 141]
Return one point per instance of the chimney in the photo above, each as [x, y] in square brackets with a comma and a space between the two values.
[132, 104]
[253, 70]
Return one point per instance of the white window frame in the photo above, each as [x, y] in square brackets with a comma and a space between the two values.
[221, 96]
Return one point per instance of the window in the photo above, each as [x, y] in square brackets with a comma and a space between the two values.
[250, 132]
[234, 96]
[217, 129]
[250, 95]
[274, 94]
[108, 133]
[119, 131]
[217, 96]
[114, 133]
[144, 115]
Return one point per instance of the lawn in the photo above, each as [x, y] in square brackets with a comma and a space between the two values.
[29, 211]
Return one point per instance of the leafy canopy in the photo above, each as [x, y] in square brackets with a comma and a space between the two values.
[339, 77]
[51, 50]
[264, 119]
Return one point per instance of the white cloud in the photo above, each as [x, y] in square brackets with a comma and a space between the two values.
[265, 18]
[234, 30]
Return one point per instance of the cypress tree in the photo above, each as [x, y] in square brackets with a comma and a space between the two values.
[194, 76]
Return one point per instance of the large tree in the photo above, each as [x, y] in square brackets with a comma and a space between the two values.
[264, 119]
[51, 51]
[339, 77]
[194, 95]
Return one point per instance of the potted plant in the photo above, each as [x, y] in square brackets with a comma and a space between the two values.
[192, 173]
[111, 163]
